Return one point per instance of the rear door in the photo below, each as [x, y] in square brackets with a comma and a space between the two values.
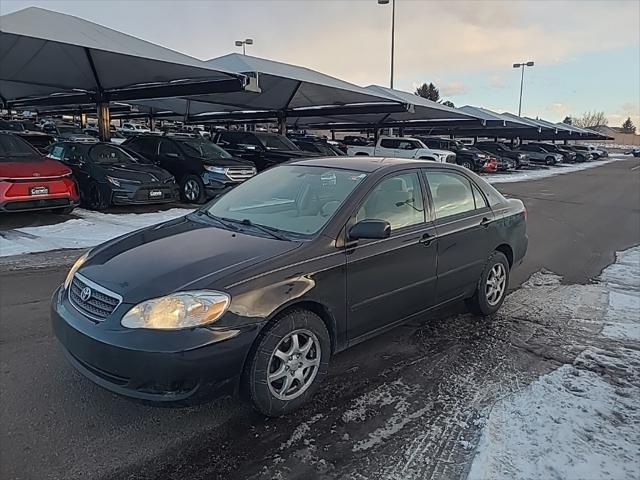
[387, 148]
[465, 229]
[392, 278]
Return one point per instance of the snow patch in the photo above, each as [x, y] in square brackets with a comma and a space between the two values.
[545, 172]
[300, 432]
[91, 229]
[581, 420]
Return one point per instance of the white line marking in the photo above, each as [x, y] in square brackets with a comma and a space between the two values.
[635, 168]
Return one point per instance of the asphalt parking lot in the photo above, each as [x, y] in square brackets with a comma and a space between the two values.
[437, 373]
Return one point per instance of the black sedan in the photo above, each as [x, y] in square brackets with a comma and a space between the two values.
[109, 175]
[260, 287]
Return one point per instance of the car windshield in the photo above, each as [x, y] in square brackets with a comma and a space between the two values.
[109, 154]
[11, 126]
[69, 129]
[293, 199]
[204, 149]
[12, 148]
[275, 142]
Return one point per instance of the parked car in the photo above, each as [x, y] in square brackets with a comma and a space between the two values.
[357, 141]
[134, 128]
[568, 155]
[597, 152]
[109, 175]
[521, 159]
[202, 168]
[402, 147]
[115, 136]
[466, 156]
[259, 288]
[30, 181]
[263, 149]
[582, 153]
[67, 133]
[540, 155]
[318, 146]
[40, 141]
[635, 152]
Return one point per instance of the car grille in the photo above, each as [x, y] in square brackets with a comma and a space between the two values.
[101, 302]
[37, 204]
[239, 174]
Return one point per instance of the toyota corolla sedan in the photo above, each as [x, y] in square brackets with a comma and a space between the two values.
[257, 290]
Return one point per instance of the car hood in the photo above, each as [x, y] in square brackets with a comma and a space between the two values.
[77, 137]
[228, 162]
[182, 254]
[290, 154]
[440, 152]
[33, 167]
[135, 171]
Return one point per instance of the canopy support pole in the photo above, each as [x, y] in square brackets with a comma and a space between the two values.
[104, 122]
[282, 123]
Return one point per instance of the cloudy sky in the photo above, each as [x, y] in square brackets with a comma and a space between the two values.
[587, 53]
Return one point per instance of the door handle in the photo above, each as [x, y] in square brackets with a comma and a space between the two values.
[485, 222]
[427, 239]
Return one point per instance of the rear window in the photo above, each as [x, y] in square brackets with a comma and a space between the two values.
[12, 147]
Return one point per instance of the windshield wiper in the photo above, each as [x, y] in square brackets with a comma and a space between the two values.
[221, 221]
[263, 228]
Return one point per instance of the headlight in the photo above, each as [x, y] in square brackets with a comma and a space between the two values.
[220, 170]
[74, 269]
[113, 181]
[178, 310]
[521, 156]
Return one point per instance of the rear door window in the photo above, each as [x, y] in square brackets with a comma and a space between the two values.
[451, 193]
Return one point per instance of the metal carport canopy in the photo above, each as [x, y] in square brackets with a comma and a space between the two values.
[49, 58]
[423, 112]
[284, 90]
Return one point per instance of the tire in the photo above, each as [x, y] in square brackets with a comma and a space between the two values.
[549, 161]
[275, 398]
[96, 199]
[467, 165]
[64, 211]
[483, 302]
[192, 189]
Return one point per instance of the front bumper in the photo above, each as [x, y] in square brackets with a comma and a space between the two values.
[158, 366]
[15, 195]
[140, 194]
[217, 184]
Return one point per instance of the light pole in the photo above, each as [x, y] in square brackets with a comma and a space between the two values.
[393, 31]
[521, 65]
[242, 43]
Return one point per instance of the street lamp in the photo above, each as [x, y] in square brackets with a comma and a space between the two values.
[521, 65]
[242, 43]
[393, 30]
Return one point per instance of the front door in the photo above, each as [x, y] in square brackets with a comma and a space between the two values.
[466, 232]
[388, 148]
[391, 279]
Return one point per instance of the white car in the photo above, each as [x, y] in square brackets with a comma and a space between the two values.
[134, 128]
[402, 147]
[597, 152]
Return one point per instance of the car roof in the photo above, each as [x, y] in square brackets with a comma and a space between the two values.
[363, 163]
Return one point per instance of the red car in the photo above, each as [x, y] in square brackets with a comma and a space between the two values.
[29, 181]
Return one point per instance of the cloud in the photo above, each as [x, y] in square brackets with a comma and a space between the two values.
[559, 108]
[452, 89]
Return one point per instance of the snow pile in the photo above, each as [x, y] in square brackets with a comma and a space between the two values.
[92, 228]
[545, 172]
[583, 419]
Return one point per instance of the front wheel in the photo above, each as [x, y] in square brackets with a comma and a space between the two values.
[288, 363]
[192, 189]
[467, 165]
[550, 161]
[492, 287]
[96, 198]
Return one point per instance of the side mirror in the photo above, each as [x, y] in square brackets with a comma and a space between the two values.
[370, 229]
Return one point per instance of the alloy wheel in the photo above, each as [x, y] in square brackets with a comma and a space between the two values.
[191, 190]
[294, 364]
[496, 284]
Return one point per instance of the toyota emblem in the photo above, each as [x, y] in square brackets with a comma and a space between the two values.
[85, 294]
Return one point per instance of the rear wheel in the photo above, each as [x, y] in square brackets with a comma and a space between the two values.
[192, 189]
[287, 363]
[550, 161]
[467, 164]
[492, 287]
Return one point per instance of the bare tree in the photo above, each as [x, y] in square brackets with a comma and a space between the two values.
[591, 119]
